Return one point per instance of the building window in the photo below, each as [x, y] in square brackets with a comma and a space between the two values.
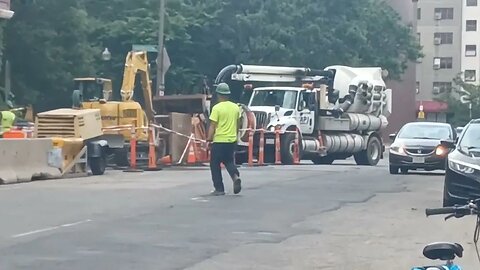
[441, 87]
[470, 75]
[470, 50]
[444, 13]
[443, 62]
[472, 3]
[471, 25]
[419, 13]
[443, 38]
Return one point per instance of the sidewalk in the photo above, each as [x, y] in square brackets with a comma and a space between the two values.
[388, 231]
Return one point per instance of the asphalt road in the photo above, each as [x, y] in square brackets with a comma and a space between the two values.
[162, 220]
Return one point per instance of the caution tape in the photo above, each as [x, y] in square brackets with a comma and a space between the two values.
[179, 134]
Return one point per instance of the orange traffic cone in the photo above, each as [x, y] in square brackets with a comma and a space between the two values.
[166, 160]
[192, 159]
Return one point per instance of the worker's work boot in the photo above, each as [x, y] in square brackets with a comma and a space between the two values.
[217, 193]
[237, 186]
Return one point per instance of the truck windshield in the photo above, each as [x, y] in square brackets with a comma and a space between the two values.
[283, 98]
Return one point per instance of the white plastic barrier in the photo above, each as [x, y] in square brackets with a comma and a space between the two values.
[24, 160]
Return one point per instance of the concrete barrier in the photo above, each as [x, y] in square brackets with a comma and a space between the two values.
[24, 160]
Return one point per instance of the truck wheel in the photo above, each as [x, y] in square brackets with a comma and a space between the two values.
[97, 165]
[241, 158]
[327, 160]
[286, 148]
[371, 155]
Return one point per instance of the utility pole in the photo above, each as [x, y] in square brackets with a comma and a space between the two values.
[160, 56]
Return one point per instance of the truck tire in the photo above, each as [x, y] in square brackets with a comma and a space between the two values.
[97, 165]
[370, 156]
[327, 160]
[286, 148]
[241, 158]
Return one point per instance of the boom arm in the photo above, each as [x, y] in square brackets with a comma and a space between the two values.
[137, 62]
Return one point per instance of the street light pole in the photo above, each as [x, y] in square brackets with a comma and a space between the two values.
[160, 56]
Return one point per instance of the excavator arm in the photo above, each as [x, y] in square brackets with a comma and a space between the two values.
[137, 62]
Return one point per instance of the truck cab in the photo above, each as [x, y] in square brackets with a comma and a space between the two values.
[284, 108]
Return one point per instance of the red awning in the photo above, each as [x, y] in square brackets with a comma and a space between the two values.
[430, 106]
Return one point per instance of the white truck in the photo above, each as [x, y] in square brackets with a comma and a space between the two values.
[338, 112]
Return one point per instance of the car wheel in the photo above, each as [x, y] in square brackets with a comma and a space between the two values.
[447, 200]
[393, 169]
[404, 170]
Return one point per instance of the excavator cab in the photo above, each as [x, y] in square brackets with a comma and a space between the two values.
[94, 89]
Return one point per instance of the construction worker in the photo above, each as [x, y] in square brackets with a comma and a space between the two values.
[7, 119]
[222, 134]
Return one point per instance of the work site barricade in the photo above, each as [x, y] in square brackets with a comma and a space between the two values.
[277, 146]
[195, 152]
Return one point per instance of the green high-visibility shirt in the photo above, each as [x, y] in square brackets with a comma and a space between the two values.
[226, 115]
[8, 119]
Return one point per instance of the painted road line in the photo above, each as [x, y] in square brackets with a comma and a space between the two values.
[51, 228]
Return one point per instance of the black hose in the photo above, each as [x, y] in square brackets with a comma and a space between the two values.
[227, 71]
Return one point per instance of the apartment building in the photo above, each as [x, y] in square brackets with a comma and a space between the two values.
[470, 63]
[439, 30]
[403, 102]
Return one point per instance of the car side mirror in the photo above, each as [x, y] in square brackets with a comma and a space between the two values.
[392, 136]
[277, 108]
[450, 144]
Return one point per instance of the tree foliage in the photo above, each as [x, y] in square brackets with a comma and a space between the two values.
[461, 111]
[50, 42]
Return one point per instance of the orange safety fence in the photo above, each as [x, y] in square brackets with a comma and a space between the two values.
[261, 146]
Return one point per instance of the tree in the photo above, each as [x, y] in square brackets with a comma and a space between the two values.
[47, 44]
[202, 36]
[457, 99]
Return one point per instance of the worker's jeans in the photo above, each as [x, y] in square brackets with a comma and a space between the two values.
[222, 153]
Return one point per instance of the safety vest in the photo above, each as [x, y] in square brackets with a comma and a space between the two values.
[8, 118]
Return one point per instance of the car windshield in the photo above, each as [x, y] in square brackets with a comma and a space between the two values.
[283, 98]
[419, 131]
[470, 138]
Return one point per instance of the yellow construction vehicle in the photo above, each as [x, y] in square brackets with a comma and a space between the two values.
[124, 112]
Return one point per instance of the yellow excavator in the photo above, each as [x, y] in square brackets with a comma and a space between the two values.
[124, 112]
